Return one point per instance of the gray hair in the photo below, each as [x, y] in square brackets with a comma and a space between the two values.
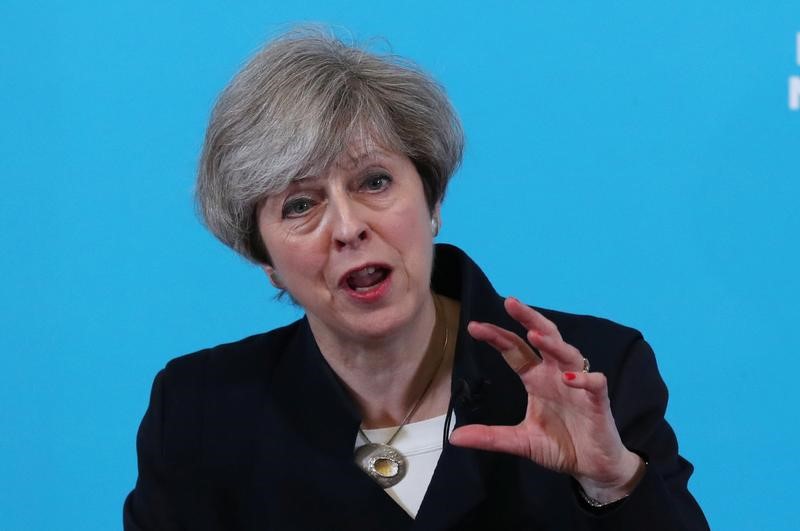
[300, 103]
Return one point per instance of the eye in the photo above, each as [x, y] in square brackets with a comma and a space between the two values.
[297, 207]
[376, 183]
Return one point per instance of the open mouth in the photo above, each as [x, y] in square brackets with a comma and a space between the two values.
[366, 278]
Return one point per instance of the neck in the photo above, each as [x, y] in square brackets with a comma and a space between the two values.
[386, 376]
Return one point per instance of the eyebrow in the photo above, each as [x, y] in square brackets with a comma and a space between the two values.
[354, 160]
[300, 183]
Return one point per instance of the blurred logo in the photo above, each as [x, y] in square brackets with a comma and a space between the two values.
[794, 81]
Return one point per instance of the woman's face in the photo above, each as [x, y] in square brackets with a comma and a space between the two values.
[354, 246]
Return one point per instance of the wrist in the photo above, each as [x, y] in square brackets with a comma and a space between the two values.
[600, 493]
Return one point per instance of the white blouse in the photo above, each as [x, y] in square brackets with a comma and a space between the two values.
[421, 444]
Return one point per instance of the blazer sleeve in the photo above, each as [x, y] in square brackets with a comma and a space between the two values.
[661, 501]
[148, 506]
[172, 492]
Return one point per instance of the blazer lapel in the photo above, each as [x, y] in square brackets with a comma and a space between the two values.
[317, 410]
[310, 398]
[484, 390]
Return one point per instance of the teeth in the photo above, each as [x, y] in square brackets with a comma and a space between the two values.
[365, 272]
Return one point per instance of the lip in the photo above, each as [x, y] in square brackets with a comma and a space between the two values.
[375, 292]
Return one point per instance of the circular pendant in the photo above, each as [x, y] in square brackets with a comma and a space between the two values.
[382, 463]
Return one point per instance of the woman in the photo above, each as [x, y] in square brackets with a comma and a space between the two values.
[327, 166]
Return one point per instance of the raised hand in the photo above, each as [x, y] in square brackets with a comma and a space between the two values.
[568, 426]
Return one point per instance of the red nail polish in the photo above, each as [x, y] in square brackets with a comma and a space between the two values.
[569, 375]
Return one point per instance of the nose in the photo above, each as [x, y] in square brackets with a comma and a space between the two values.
[350, 229]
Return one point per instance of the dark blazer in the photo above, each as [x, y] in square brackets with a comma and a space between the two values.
[259, 434]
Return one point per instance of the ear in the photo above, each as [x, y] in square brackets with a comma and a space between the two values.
[274, 279]
[436, 219]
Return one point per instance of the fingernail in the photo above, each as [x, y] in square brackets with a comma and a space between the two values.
[569, 375]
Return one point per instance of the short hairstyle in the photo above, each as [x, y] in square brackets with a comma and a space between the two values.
[300, 103]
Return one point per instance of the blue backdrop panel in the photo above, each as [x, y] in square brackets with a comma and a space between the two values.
[633, 160]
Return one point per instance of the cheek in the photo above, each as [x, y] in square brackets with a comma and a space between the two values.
[412, 227]
[293, 257]
[412, 231]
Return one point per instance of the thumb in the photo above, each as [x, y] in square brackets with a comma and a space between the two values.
[504, 439]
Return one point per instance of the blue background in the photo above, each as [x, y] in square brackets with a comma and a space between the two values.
[627, 159]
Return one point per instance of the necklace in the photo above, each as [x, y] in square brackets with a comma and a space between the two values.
[381, 461]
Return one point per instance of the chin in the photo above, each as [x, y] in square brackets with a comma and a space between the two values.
[383, 322]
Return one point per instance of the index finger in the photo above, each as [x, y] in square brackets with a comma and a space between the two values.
[530, 318]
[517, 353]
[544, 335]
